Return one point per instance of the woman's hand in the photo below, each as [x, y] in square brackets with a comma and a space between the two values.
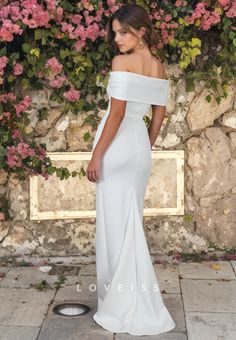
[93, 169]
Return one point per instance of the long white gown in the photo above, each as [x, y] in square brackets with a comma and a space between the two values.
[129, 298]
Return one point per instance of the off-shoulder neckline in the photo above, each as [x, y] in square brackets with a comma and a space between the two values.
[138, 75]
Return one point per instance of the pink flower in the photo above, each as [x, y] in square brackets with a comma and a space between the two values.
[3, 63]
[231, 13]
[6, 35]
[24, 150]
[16, 134]
[66, 27]
[167, 18]
[5, 97]
[18, 68]
[6, 114]
[58, 82]
[224, 3]
[60, 11]
[180, 3]
[55, 66]
[72, 95]
[42, 153]
[76, 18]
[23, 105]
[51, 5]
[13, 158]
[79, 44]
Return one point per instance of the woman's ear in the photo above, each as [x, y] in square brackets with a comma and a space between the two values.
[142, 31]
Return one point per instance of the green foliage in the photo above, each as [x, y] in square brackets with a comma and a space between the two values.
[204, 54]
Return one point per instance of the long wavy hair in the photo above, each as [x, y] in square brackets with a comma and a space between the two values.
[135, 16]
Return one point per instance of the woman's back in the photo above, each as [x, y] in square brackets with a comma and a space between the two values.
[129, 298]
[147, 65]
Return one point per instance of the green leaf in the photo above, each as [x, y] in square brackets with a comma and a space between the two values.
[14, 56]
[102, 47]
[4, 136]
[2, 155]
[3, 51]
[38, 34]
[59, 172]
[50, 169]
[26, 47]
[64, 53]
[234, 41]
[174, 13]
[30, 73]
[208, 98]
[54, 30]
[11, 78]
[232, 35]
[31, 59]
[35, 161]
[86, 136]
[25, 83]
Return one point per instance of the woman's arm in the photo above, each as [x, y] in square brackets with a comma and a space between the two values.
[109, 131]
[158, 115]
[111, 126]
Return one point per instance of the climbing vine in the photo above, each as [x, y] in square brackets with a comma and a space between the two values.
[60, 45]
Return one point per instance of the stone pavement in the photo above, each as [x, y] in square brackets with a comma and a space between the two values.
[201, 297]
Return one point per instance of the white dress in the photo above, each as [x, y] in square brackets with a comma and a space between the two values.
[129, 298]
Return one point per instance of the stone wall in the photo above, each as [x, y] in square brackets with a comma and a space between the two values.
[207, 133]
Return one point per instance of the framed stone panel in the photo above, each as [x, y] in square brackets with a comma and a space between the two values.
[76, 196]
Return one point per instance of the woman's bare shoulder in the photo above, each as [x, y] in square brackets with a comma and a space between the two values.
[160, 69]
[120, 63]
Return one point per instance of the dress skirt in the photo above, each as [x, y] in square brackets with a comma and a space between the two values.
[129, 298]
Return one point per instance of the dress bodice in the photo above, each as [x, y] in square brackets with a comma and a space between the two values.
[138, 90]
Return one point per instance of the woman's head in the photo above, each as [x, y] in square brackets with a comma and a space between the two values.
[130, 28]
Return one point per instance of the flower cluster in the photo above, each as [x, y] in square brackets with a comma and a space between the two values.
[19, 153]
[59, 44]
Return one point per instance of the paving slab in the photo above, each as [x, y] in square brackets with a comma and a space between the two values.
[211, 326]
[24, 277]
[4, 269]
[66, 260]
[84, 291]
[23, 307]
[163, 336]
[209, 295]
[207, 270]
[168, 278]
[83, 327]
[174, 304]
[18, 333]
[233, 263]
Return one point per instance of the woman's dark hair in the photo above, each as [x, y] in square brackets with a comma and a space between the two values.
[135, 16]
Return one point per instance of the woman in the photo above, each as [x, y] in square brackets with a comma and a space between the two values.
[129, 299]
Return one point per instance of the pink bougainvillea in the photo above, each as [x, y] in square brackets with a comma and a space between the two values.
[3, 64]
[72, 95]
[58, 82]
[17, 68]
[13, 158]
[54, 65]
[50, 44]
[23, 105]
